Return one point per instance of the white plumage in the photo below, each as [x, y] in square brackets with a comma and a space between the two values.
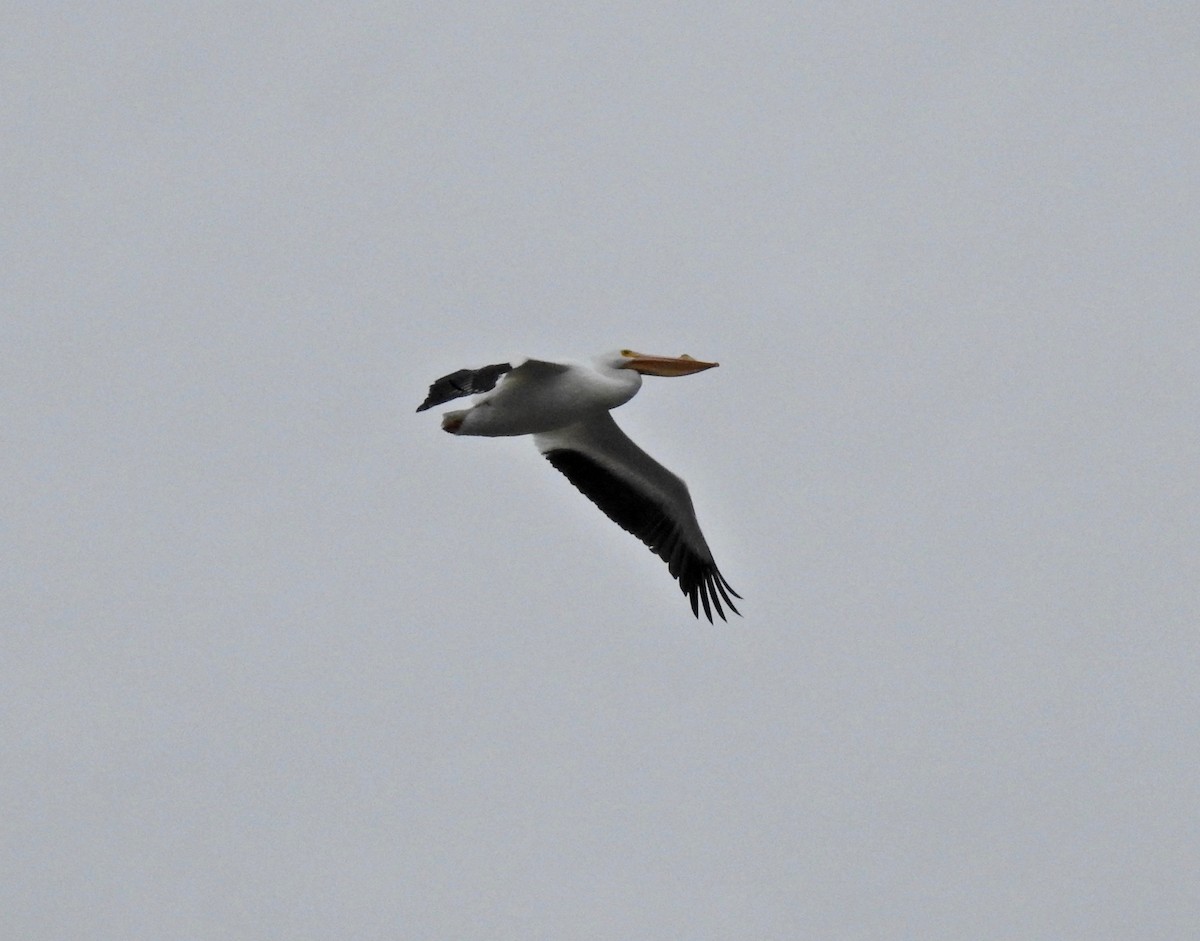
[565, 406]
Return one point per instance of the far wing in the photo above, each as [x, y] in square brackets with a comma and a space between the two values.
[475, 381]
[463, 382]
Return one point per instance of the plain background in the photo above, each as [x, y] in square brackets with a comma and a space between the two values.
[282, 660]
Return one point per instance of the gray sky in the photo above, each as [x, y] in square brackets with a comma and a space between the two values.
[281, 660]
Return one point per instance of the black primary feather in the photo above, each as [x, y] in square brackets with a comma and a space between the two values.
[640, 515]
[464, 382]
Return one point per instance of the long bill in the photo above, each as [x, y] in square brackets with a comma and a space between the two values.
[664, 365]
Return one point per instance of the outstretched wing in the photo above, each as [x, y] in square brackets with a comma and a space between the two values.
[464, 382]
[643, 498]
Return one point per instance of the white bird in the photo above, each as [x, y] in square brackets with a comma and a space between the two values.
[565, 406]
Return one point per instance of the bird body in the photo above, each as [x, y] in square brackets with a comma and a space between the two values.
[565, 406]
[540, 396]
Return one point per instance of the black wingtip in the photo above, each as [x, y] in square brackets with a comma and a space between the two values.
[464, 382]
[712, 589]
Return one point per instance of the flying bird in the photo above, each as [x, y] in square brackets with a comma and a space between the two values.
[565, 406]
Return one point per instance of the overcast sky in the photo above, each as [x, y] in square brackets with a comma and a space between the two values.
[282, 660]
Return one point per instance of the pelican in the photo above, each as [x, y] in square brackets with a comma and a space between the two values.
[565, 406]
